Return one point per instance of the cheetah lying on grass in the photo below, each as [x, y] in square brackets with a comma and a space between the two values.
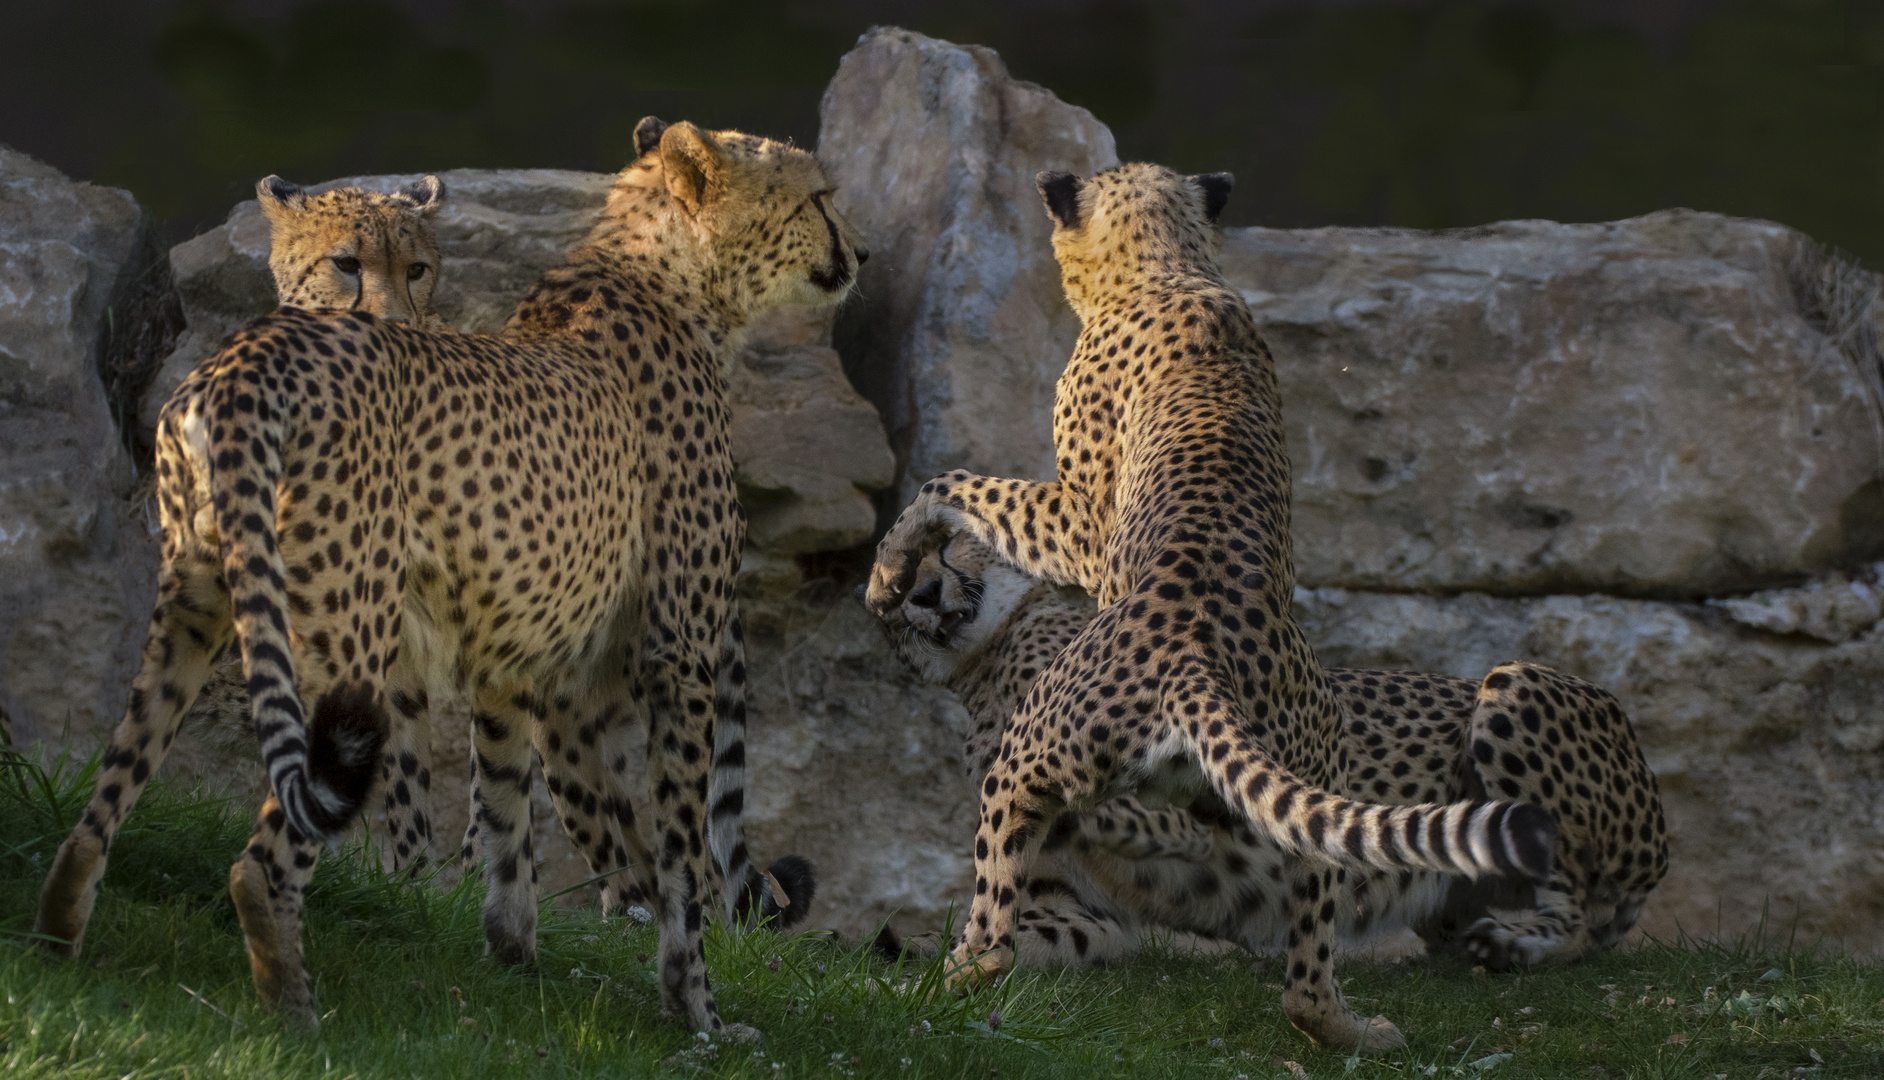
[1172, 509]
[547, 519]
[986, 630]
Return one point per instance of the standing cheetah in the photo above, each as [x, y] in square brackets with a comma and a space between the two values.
[986, 630]
[547, 519]
[349, 249]
[1172, 509]
[353, 249]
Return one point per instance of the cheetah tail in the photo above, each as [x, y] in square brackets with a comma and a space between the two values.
[1502, 838]
[322, 769]
[783, 892]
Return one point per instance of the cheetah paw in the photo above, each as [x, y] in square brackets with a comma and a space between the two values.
[740, 1033]
[1381, 1036]
[965, 974]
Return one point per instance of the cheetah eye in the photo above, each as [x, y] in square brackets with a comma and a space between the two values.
[346, 264]
[415, 271]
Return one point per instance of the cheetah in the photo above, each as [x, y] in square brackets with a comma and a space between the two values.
[355, 250]
[546, 518]
[1172, 510]
[986, 630]
[352, 249]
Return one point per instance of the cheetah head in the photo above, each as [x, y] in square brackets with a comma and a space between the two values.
[962, 597]
[763, 208]
[352, 249]
[1129, 221]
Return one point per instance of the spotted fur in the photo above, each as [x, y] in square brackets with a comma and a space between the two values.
[350, 249]
[1105, 875]
[546, 519]
[1172, 509]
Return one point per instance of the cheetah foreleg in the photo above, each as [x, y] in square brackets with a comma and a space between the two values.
[501, 738]
[1311, 997]
[189, 628]
[1553, 930]
[1014, 820]
[1039, 527]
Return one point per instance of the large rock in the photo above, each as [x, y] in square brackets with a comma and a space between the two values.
[960, 327]
[76, 562]
[1681, 404]
[1769, 746]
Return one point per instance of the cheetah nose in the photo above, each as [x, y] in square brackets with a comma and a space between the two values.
[929, 595]
[863, 255]
[949, 621]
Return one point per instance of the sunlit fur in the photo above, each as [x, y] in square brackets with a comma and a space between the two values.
[1106, 875]
[546, 519]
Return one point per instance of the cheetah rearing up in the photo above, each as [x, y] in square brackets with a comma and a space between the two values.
[547, 519]
[986, 630]
[1172, 509]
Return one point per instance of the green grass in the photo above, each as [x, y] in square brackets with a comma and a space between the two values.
[163, 991]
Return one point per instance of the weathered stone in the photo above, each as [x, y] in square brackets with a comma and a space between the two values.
[1767, 746]
[1835, 608]
[853, 764]
[960, 327]
[809, 449]
[1681, 404]
[76, 575]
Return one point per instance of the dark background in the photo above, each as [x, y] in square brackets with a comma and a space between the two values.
[1404, 113]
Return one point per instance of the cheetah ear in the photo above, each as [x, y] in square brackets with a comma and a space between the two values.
[1060, 191]
[278, 197]
[1216, 187]
[426, 194]
[695, 166]
[648, 134]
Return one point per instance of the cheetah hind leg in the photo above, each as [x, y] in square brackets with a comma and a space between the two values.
[504, 718]
[190, 626]
[269, 882]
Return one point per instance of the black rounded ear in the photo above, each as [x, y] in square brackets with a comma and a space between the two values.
[648, 134]
[272, 190]
[426, 194]
[1216, 187]
[1060, 191]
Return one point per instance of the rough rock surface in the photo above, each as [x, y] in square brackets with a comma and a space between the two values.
[1675, 405]
[76, 558]
[1767, 746]
[959, 328]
